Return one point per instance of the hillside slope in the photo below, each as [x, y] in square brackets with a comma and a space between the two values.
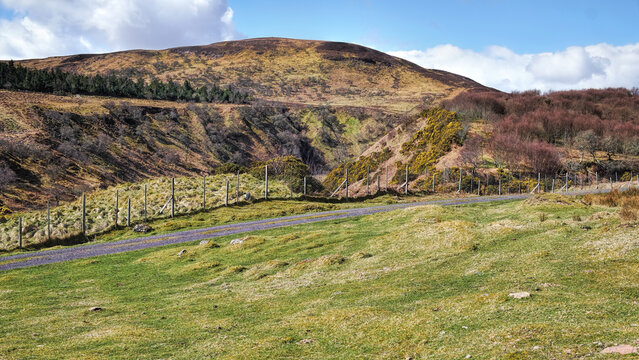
[284, 70]
[322, 102]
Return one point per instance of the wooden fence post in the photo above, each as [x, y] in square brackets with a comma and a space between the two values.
[84, 214]
[204, 192]
[20, 232]
[48, 221]
[172, 197]
[226, 199]
[406, 186]
[479, 187]
[117, 206]
[596, 180]
[433, 182]
[266, 182]
[346, 175]
[145, 213]
[566, 182]
[538, 182]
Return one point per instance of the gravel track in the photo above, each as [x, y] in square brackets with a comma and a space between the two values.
[91, 250]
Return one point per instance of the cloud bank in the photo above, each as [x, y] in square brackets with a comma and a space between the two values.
[595, 66]
[60, 27]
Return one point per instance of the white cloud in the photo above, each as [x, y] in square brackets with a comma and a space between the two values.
[595, 66]
[59, 27]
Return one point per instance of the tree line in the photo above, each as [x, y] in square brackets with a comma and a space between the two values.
[56, 81]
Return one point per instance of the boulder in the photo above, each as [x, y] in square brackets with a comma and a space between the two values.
[142, 228]
[519, 295]
[620, 349]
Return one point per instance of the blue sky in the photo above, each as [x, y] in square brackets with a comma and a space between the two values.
[522, 26]
[510, 45]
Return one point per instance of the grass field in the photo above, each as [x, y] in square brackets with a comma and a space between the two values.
[427, 282]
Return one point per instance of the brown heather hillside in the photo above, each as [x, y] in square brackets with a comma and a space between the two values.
[283, 70]
[322, 102]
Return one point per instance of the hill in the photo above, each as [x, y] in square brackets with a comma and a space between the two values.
[283, 70]
[322, 102]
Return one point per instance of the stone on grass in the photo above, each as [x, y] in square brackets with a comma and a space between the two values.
[247, 197]
[306, 341]
[238, 240]
[519, 295]
[620, 349]
[142, 228]
[204, 242]
[181, 252]
[95, 308]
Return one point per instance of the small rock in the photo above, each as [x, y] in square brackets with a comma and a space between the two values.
[238, 241]
[142, 228]
[464, 327]
[181, 252]
[519, 295]
[306, 341]
[536, 347]
[95, 308]
[247, 197]
[468, 356]
[204, 242]
[620, 349]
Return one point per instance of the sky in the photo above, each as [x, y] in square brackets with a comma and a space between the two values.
[512, 45]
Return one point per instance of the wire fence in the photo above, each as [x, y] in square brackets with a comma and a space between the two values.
[134, 204]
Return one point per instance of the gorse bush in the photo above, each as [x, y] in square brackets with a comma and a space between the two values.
[443, 129]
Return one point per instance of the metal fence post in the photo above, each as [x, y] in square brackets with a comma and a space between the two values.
[538, 182]
[368, 175]
[566, 182]
[237, 191]
[479, 187]
[266, 182]
[304, 185]
[500, 185]
[128, 214]
[204, 192]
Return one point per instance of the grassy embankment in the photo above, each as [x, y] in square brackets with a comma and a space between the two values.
[423, 282]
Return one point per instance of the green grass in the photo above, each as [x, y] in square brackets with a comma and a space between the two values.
[427, 282]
